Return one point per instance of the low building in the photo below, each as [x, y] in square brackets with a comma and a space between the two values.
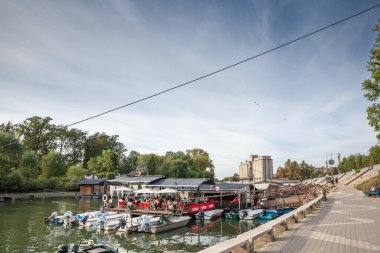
[186, 187]
[134, 182]
[89, 187]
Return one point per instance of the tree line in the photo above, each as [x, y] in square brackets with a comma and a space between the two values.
[293, 170]
[359, 161]
[300, 171]
[37, 154]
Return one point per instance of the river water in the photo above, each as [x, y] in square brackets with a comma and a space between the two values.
[22, 230]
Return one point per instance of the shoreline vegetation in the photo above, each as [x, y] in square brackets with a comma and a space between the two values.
[36, 154]
[32, 195]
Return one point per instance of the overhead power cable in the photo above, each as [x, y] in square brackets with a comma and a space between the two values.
[228, 67]
[222, 69]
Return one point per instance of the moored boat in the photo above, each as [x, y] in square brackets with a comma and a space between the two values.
[90, 215]
[89, 248]
[284, 210]
[101, 219]
[128, 224]
[268, 215]
[208, 215]
[233, 214]
[169, 223]
[250, 214]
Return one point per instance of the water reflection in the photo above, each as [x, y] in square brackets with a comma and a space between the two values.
[22, 230]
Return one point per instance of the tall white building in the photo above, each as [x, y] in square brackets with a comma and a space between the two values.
[256, 169]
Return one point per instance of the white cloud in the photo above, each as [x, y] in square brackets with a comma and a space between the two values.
[73, 60]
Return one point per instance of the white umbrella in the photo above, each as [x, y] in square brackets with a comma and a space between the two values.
[168, 190]
[124, 189]
[145, 191]
[120, 191]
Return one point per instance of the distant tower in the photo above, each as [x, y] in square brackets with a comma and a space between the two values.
[256, 169]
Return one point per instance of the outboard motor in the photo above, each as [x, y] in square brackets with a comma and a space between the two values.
[122, 223]
[145, 225]
[201, 215]
[63, 248]
[101, 221]
[67, 217]
[51, 217]
[84, 219]
[75, 247]
[245, 213]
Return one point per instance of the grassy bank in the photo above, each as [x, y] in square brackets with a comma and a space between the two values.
[366, 186]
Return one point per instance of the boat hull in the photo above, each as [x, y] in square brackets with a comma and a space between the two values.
[209, 215]
[250, 214]
[175, 223]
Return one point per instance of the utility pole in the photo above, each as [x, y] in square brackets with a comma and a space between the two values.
[332, 168]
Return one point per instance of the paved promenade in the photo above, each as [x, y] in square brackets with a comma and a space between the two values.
[346, 223]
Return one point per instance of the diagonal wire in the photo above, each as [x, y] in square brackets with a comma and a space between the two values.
[221, 69]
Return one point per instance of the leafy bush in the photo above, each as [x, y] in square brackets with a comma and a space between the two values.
[51, 183]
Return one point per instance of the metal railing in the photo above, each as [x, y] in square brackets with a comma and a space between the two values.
[246, 241]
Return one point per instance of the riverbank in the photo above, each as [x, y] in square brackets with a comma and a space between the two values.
[32, 195]
[259, 237]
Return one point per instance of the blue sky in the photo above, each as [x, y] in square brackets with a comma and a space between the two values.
[73, 59]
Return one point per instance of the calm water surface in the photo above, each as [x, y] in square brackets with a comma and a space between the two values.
[22, 230]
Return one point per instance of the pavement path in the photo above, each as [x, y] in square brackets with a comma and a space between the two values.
[347, 222]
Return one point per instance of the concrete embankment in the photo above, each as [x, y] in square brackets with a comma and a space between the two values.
[252, 240]
[32, 195]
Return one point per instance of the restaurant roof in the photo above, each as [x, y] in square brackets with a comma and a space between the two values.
[180, 183]
[128, 180]
[92, 181]
[224, 187]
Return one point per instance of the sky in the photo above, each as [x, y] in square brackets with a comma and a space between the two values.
[73, 59]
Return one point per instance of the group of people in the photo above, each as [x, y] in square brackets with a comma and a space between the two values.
[170, 203]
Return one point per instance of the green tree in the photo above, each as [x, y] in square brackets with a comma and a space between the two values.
[354, 162]
[52, 165]
[76, 172]
[103, 166]
[131, 162]
[97, 143]
[14, 182]
[175, 165]
[71, 144]
[371, 85]
[29, 164]
[38, 134]
[234, 178]
[10, 152]
[8, 128]
[201, 160]
[151, 162]
[374, 155]
[305, 170]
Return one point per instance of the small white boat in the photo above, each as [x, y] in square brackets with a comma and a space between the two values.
[169, 223]
[208, 215]
[103, 218]
[66, 218]
[128, 224]
[89, 215]
[250, 214]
